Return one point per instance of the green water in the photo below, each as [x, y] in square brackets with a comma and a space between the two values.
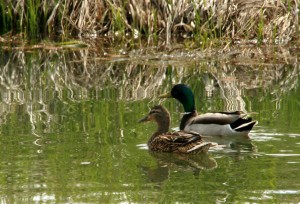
[69, 131]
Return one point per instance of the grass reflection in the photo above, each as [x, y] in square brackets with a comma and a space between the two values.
[84, 111]
[40, 84]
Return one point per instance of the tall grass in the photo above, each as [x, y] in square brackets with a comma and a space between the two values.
[262, 20]
[32, 17]
[6, 17]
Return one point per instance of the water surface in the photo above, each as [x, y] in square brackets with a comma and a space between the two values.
[69, 131]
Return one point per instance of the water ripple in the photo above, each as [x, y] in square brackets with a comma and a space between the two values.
[283, 155]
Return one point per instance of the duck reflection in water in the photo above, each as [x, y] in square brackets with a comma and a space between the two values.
[232, 143]
[182, 150]
[170, 162]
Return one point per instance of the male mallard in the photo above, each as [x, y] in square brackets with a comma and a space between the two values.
[210, 124]
[178, 142]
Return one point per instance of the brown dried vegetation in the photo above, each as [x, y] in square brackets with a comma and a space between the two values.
[264, 21]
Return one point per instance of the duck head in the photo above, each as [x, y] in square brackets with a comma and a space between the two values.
[160, 115]
[184, 95]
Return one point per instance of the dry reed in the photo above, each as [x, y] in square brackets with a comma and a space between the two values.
[251, 21]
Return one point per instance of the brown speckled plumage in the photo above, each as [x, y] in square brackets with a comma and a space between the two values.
[178, 142]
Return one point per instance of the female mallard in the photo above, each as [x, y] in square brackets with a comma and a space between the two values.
[210, 124]
[178, 142]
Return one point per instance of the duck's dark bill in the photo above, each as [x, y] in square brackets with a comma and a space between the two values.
[144, 119]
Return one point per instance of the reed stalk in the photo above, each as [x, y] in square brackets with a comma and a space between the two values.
[201, 20]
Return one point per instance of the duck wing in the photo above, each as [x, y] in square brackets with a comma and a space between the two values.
[220, 118]
[180, 142]
[180, 138]
[221, 124]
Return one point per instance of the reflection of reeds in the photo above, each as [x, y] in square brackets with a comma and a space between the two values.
[83, 70]
[36, 79]
[260, 21]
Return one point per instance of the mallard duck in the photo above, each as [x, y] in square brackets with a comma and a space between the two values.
[178, 142]
[209, 124]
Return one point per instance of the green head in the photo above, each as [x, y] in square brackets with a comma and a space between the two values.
[184, 95]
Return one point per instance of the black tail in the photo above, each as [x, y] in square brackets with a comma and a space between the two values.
[243, 124]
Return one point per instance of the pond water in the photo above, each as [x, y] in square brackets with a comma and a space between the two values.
[69, 131]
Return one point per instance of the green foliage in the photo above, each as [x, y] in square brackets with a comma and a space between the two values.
[32, 17]
[206, 22]
[6, 17]
[260, 29]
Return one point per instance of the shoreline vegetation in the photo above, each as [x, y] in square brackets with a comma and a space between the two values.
[128, 49]
[201, 23]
